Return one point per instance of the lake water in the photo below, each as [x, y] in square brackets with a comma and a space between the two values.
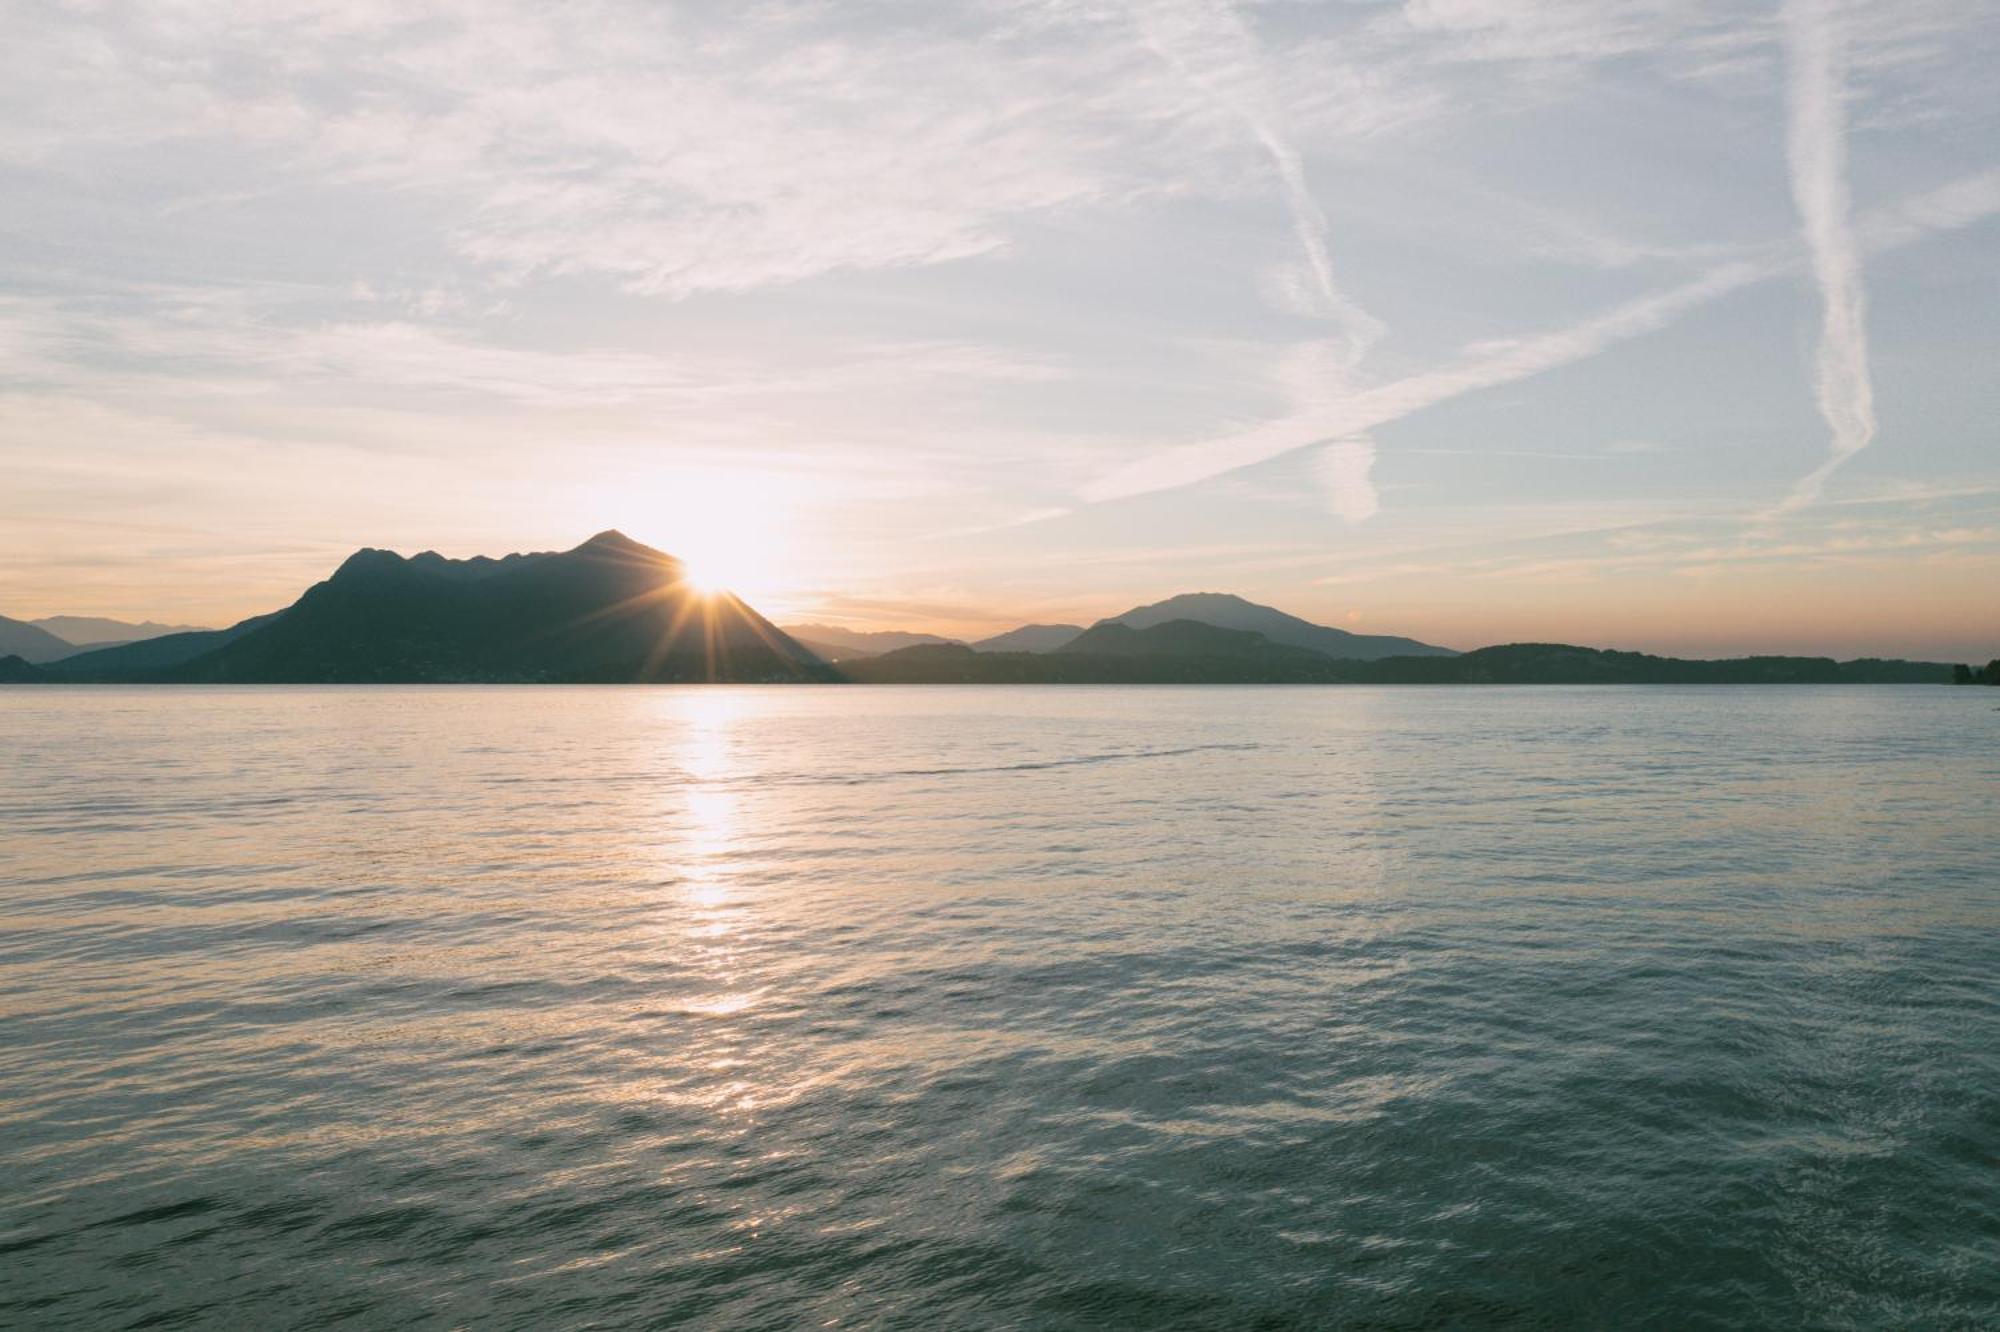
[1037, 1008]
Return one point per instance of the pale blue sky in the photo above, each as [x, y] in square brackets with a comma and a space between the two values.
[1662, 325]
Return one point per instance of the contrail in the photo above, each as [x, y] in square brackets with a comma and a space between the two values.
[1351, 414]
[1208, 43]
[1215, 51]
[1961, 203]
[1816, 150]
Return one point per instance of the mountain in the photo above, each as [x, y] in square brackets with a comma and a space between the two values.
[31, 643]
[1178, 652]
[1184, 638]
[1188, 652]
[838, 644]
[95, 631]
[827, 651]
[16, 670]
[1232, 612]
[148, 657]
[609, 610]
[1029, 638]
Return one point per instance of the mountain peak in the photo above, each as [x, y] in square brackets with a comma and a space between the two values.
[1226, 610]
[368, 560]
[611, 541]
[1207, 599]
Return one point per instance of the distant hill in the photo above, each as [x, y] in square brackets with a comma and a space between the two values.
[1184, 652]
[31, 643]
[1179, 652]
[16, 670]
[95, 631]
[1029, 638]
[1184, 638]
[148, 657]
[827, 651]
[1563, 663]
[1226, 611]
[609, 610]
[836, 644]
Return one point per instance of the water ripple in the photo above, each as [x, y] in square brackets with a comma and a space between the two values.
[999, 1008]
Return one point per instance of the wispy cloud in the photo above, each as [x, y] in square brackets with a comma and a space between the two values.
[674, 149]
[227, 339]
[1816, 150]
[1344, 469]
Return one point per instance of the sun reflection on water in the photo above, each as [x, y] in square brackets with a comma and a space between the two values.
[711, 914]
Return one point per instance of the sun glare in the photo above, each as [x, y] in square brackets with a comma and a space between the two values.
[731, 531]
[726, 551]
[703, 578]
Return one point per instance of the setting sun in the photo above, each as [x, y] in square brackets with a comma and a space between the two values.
[704, 578]
[731, 531]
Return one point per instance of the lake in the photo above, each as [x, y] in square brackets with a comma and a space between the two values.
[1000, 1008]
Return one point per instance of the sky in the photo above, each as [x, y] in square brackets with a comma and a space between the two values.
[1654, 324]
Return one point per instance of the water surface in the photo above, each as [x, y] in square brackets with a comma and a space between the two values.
[1039, 1008]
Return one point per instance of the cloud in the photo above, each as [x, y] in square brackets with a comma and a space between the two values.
[1344, 469]
[1950, 207]
[1816, 151]
[675, 150]
[223, 339]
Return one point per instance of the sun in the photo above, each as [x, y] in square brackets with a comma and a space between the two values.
[728, 549]
[703, 577]
[732, 530]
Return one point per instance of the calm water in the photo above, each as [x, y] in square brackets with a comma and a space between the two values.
[1041, 1008]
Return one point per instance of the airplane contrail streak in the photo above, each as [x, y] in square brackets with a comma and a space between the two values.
[1816, 152]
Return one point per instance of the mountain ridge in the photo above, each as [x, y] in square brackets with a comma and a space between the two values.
[610, 609]
[93, 631]
[32, 643]
[614, 610]
[1226, 610]
[1029, 638]
[844, 642]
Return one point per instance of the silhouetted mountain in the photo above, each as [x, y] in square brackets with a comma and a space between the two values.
[1184, 638]
[95, 631]
[31, 643]
[615, 610]
[609, 610]
[147, 658]
[1232, 612]
[1190, 653]
[1179, 652]
[838, 644]
[1029, 638]
[1563, 663]
[827, 651]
